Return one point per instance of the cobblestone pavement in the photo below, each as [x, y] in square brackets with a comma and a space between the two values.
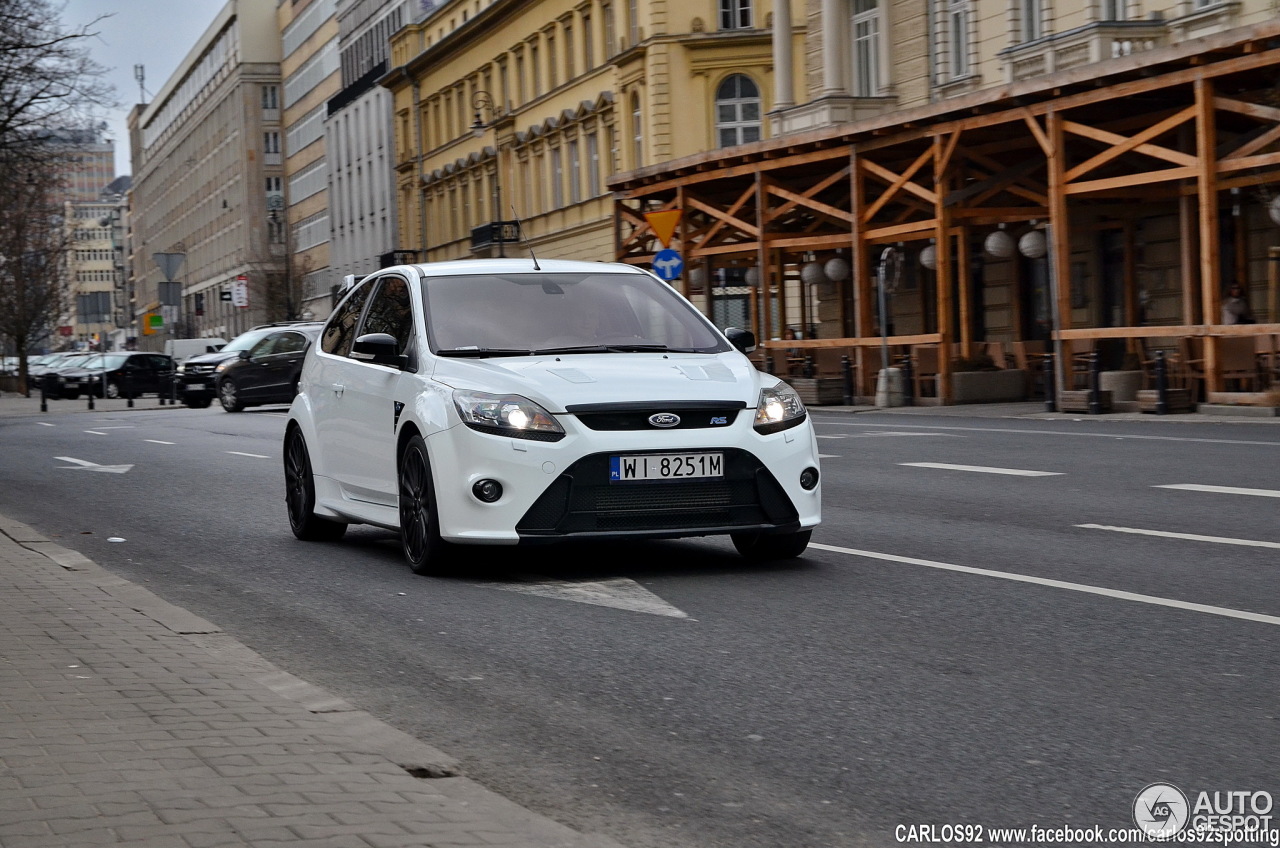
[125, 720]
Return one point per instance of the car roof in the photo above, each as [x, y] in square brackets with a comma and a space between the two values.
[521, 266]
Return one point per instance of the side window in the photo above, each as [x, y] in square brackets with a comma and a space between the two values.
[391, 312]
[341, 329]
[290, 343]
[265, 346]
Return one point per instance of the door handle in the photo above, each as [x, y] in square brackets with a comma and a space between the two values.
[337, 389]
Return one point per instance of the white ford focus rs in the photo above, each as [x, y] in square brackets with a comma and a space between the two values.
[503, 402]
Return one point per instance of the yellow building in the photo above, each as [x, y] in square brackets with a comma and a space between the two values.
[525, 108]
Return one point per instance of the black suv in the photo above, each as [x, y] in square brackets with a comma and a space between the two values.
[198, 375]
[268, 372]
[122, 374]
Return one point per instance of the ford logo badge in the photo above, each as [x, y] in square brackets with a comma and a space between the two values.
[664, 419]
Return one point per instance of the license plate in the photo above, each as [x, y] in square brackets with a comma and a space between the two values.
[665, 466]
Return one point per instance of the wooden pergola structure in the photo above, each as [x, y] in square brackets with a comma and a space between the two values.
[1176, 129]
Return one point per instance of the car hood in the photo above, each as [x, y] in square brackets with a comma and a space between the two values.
[557, 382]
[210, 358]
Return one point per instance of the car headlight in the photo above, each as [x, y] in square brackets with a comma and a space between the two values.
[180, 368]
[222, 366]
[779, 408]
[507, 415]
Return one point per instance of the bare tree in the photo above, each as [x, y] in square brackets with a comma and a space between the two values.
[47, 78]
[33, 249]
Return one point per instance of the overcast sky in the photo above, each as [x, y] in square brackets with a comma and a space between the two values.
[154, 33]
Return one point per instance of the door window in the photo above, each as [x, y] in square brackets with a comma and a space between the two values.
[391, 312]
[341, 329]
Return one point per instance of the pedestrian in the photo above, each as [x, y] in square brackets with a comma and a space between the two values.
[1235, 307]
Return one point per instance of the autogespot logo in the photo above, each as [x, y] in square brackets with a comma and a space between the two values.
[1161, 810]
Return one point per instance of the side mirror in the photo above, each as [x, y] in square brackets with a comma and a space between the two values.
[244, 354]
[378, 348]
[743, 340]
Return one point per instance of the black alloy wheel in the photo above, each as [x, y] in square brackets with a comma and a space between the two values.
[229, 395]
[767, 547]
[420, 538]
[300, 494]
[113, 389]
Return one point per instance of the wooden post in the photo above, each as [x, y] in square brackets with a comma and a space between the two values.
[946, 277]
[1273, 285]
[1189, 259]
[863, 317]
[762, 255]
[1207, 189]
[966, 293]
[682, 234]
[1059, 245]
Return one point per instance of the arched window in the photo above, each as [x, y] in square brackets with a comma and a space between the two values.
[737, 111]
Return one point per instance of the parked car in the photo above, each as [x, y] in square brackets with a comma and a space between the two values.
[505, 402]
[113, 375]
[268, 372]
[198, 376]
[50, 373]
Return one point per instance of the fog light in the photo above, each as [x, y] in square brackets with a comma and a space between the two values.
[487, 490]
[809, 479]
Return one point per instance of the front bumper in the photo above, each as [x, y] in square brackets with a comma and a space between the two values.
[559, 490]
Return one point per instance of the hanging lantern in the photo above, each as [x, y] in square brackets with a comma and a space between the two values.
[1033, 244]
[836, 269]
[753, 276]
[929, 258]
[812, 274]
[999, 244]
[1273, 209]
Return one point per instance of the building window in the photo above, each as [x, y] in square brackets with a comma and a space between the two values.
[1032, 19]
[610, 31]
[537, 70]
[271, 142]
[593, 165]
[519, 79]
[557, 179]
[735, 14]
[958, 44]
[588, 47]
[737, 111]
[569, 70]
[1115, 10]
[553, 75]
[637, 133]
[271, 97]
[575, 173]
[633, 22]
[866, 48]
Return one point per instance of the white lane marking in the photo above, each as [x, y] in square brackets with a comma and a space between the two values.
[1060, 433]
[46, 424]
[1193, 537]
[253, 455]
[982, 469]
[86, 465]
[96, 432]
[828, 456]
[1225, 612]
[618, 592]
[889, 433]
[118, 427]
[157, 442]
[1222, 490]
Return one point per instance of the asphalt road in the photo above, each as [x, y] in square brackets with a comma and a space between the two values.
[958, 645]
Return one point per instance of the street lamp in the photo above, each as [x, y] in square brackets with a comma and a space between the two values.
[483, 101]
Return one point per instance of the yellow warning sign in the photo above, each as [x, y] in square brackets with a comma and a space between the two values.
[664, 224]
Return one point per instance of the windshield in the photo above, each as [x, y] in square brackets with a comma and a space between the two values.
[512, 314]
[244, 341]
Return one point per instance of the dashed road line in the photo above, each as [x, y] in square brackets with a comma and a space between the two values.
[46, 424]
[1225, 612]
[158, 442]
[253, 455]
[983, 469]
[1191, 537]
[96, 432]
[1222, 490]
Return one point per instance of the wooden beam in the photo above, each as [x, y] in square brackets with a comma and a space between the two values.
[1134, 142]
[995, 183]
[730, 215]
[1207, 185]
[897, 184]
[895, 232]
[1261, 160]
[1111, 138]
[809, 203]
[815, 190]
[946, 275]
[1254, 110]
[889, 177]
[749, 229]
[809, 242]
[1059, 239]
[1046, 146]
[746, 169]
[1130, 180]
[1263, 137]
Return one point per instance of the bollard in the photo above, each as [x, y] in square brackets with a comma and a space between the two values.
[1050, 385]
[128, 388]
[89, 393]
[846, 371]
[1095, 377]
[44, 395]
[909, 384]
[1162, 384]
[173, 388]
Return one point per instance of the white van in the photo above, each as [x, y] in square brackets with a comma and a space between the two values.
[183, 349]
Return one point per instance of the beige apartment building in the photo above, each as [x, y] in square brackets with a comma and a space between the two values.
[510, 109]
[311, 73]
[1067, 178]
[206, 163]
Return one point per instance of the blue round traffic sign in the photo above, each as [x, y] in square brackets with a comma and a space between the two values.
[667, 264]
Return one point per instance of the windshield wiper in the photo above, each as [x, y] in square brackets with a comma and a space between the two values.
[615, 348]
[481, 352]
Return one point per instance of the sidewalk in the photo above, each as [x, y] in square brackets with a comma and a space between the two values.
[12, 403]
[125, 720]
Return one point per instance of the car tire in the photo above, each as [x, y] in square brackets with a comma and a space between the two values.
[300, 494]
[768, 547]
[420, 540]
[113, 389]
[229, 396]
[197, 403]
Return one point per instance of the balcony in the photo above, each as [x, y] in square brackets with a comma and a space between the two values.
[1086, 45]
[494, 234]
[826, 111]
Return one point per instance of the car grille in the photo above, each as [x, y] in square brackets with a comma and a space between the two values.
[199, 369]
[694, 415]
[582, 501]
